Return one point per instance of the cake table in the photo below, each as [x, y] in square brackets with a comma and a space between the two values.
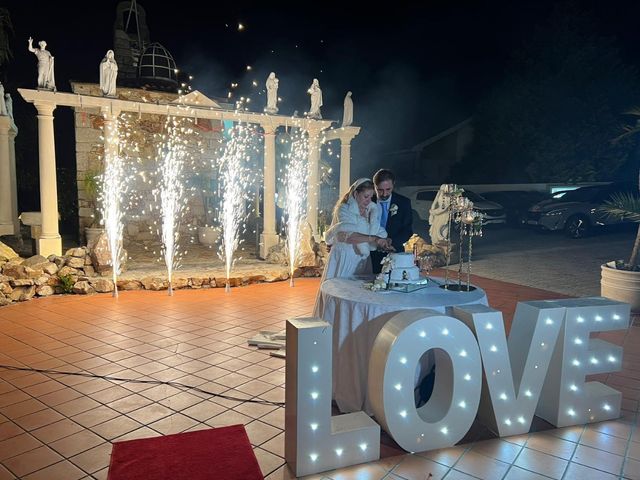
[357, 315]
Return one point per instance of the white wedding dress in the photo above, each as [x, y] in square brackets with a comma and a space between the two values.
[348, 260]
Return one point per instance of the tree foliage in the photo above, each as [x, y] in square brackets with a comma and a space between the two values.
[557, 110]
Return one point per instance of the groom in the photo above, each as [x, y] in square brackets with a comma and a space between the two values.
[396, 216]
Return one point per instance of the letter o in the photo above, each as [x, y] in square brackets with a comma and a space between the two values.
[397, 350]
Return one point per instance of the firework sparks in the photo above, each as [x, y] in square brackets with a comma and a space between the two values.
[172, 154]
[296, 174]
[113, 187]
[235, 178]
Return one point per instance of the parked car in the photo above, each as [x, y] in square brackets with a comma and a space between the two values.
[516, 203]
[577, 211]
[422, 198]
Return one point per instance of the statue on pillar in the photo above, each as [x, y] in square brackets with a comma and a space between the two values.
[108, 75]
[3, 105]
[272, 94]
[46, 79]
[316, 100]
[9, 104]
[347, 117]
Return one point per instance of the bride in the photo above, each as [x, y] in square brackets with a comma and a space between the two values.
[355, 231]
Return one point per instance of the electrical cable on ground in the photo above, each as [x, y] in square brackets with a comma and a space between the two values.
[151, 382]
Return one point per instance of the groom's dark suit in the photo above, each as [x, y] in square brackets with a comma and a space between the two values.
[398, 227]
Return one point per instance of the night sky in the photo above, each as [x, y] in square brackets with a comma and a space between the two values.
[414, 70]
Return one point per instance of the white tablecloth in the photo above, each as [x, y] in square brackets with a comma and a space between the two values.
[357, 315]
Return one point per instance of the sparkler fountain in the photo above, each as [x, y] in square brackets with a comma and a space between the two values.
[113, 187]
[297, 172]
[172, 154]
[235, 179]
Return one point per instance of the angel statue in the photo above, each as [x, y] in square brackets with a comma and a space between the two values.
[316, 100]
[272, 94]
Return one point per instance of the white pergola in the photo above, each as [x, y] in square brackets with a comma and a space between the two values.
[45, 102]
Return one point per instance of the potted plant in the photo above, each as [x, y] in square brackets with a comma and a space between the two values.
[620, 280]
[91, 185]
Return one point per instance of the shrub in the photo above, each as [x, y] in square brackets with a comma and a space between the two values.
[67, 282]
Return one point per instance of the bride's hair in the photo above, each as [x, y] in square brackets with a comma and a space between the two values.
[355, 188]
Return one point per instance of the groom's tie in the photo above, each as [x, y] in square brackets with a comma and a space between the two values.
[385, 214]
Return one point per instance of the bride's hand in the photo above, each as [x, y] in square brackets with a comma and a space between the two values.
[342, 237]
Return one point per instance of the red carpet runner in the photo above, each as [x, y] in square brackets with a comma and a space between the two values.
[219, 453]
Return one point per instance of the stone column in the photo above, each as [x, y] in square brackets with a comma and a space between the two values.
[49, 241]
[345, 165]
[13, 133]
[6, 214]
[345, 135]
[269, 237]
[313, 188]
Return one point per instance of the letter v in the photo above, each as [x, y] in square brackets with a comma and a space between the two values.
[514, 373]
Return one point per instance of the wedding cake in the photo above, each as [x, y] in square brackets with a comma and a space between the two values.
[403, 268]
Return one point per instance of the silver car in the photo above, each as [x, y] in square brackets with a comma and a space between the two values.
[422, 198]
[577, 211]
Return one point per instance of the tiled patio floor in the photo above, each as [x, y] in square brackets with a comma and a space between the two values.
[61, 427]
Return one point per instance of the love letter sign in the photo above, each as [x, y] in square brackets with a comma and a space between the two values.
[539, 369]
